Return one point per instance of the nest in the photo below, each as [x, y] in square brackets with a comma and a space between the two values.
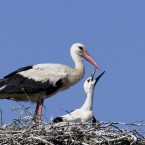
[25, 130]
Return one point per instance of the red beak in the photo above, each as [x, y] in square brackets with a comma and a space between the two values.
[90, 59]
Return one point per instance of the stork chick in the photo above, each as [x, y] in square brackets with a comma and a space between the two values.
[85, 113]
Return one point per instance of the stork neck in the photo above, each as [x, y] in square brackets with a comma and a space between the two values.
[78, 62]
[88, 105]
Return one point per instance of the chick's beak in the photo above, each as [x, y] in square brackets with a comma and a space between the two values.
[97, 79]
[92, 75]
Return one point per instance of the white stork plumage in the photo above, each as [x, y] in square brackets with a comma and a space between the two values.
[37, 82]
[85, 113]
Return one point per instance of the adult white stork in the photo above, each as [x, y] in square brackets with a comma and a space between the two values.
[37, 82]
[85, 113]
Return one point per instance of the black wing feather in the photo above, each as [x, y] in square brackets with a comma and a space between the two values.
[2, 82]
[94, 120]
[19, 84]
[18, 70]
[57, 120]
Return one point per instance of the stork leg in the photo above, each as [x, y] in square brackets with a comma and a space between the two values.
[38, 110]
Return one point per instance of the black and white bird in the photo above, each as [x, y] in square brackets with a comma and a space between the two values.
[37, 82]
[85, 113]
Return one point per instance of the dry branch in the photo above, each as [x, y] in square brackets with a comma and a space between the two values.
[25, 130]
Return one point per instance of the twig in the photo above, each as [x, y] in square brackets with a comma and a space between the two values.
[1, 114]
[24, 130]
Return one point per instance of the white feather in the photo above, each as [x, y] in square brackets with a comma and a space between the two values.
[44, 72]
[3, 87]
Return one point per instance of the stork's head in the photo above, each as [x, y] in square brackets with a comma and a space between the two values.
[81, 50]
[90, 83]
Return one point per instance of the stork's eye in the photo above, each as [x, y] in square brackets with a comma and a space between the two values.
[80, 47]
[88, 80]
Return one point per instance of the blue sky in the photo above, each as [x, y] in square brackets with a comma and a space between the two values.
[33, 32]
